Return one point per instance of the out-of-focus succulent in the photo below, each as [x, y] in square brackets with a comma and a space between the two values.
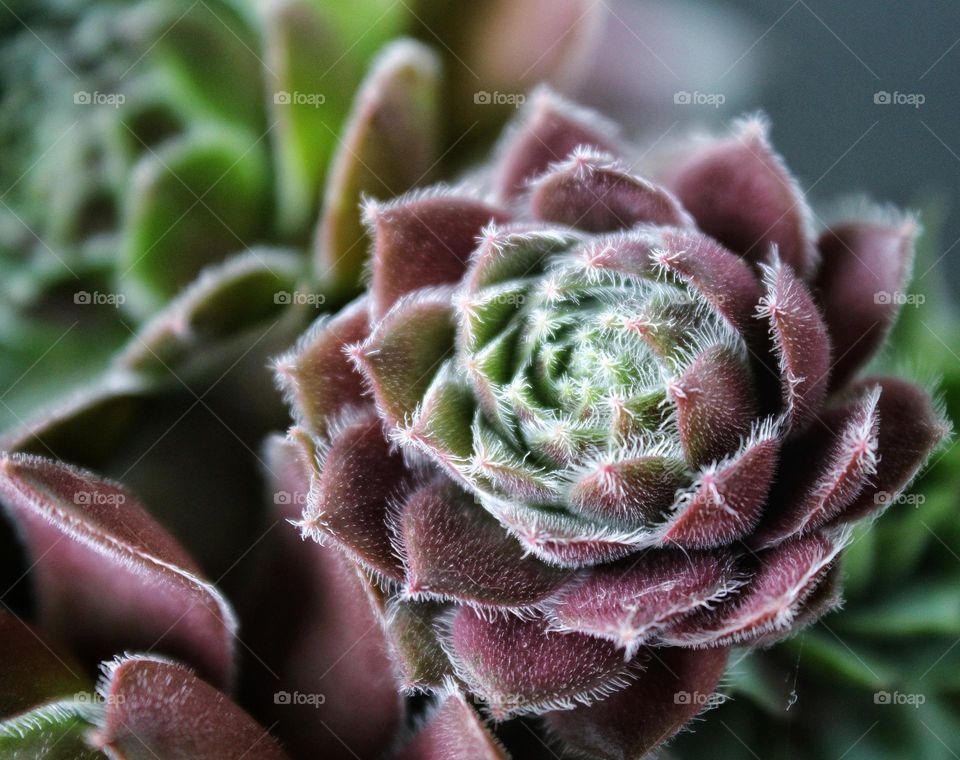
[584, 432]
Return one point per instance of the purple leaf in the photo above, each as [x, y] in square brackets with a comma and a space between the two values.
[676, 686]
[453, 731]
[830, 466]
[518, 666]
[773, 600]
[726, 500]
[865, 268]
[715, 403]
[741, 193]
[800, 342]
[405, 352]
[351, 495]
[158, 708]
[593, 192]
[489, 567]
[421, 240]
[630, 601]
[316, 376]
[549, 129]
[100, 560]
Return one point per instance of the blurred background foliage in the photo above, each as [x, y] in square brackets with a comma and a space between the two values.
[146, 140]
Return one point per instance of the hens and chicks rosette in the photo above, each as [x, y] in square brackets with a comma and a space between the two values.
[585, 432]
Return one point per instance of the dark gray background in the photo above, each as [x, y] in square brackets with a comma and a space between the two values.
[817, 66]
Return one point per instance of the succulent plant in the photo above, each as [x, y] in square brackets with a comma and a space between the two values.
[592, 431]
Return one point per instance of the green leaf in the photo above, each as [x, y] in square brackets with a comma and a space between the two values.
[190, 204]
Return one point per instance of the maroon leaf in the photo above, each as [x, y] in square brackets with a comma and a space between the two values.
[676, 686]
[630, 601]
[715, 403]
[722, 278]
[106, 577]
[772, 602]
[631, 492]
[351, 495]
[865, 268]
[456, 550]
[423, 239]
[911, 427]
[405, 352]
[518, 666]
[158, 708]
[593, 192]
[312, 628]
[800, 341]
[549, 130]
[741, 193]
[563, 539]
[830, 466]
[316, 376]
[452, 731]
[727, 498]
